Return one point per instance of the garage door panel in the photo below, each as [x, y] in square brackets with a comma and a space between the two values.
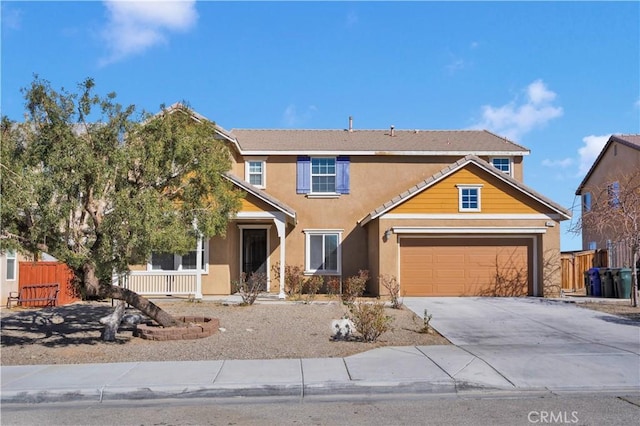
[492, 266]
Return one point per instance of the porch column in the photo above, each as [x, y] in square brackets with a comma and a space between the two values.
[198, 294]
[281, 226]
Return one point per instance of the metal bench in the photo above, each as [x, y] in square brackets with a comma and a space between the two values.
[43, 294]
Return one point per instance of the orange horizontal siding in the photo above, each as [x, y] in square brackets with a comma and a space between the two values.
[495, 196]
[253, 204]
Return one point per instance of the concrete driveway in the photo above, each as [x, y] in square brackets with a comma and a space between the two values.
[538, 342]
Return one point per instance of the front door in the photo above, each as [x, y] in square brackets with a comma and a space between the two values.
[254, 250]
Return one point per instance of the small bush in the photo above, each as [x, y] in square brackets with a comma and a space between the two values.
[370, 320]
[250, 288]
[313, 285]
[293, 279]
[426, 328]
[333, 286]
[354, 286]
[393, 287]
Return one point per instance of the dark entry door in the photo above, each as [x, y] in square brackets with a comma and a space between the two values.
[254, 251]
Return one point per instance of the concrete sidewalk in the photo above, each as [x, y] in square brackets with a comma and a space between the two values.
[425, 369]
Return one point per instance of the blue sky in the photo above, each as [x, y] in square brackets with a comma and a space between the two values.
[556, 77]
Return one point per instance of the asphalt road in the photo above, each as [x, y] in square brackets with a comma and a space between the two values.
[486, 409]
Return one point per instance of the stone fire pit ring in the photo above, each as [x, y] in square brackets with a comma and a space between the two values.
[189, 327]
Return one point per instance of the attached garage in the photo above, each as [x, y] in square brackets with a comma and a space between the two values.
[466, 266]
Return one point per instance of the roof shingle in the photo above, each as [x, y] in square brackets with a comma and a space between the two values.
[433, 142]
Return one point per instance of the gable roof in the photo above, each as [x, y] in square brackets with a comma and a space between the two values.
[452, 168]
[632, 141]
[374, 142]
[260, 194]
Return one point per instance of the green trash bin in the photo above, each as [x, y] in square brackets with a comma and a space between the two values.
[587, 284]
[622, 280]
[606, 281]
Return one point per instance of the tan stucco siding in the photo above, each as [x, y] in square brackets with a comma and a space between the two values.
[617, 162]
[496, 196]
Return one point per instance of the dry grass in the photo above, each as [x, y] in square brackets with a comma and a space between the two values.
[71, 334]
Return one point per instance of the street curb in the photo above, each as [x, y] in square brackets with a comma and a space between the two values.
[115, 393]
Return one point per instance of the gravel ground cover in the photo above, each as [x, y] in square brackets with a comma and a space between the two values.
[71, 334]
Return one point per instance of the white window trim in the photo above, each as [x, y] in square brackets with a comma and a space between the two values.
[307, 255]
[177, 259]
[11, 255]
[333, 194]
[247, 173]
[510, 172]
[469, 186]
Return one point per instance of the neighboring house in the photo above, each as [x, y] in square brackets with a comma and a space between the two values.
[8, 273]
[619, 159]
[445, 212]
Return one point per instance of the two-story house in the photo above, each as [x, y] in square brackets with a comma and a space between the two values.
[445, 212]
[616, 165]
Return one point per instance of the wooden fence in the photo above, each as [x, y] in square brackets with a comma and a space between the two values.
[575, 264]
[49, 273]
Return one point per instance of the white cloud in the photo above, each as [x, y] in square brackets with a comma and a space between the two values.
[134, 26]
[352, 19]
[520, 117]
[291, 117]
[11, 17]
[555, 164]
[590, 151]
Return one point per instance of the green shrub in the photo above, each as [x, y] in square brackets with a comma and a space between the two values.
[370, 320]
[354, 286]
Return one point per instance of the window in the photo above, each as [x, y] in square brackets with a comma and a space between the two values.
[255, 172]
[175, 262]
[323, 252]
[502, 164]
[322, 175]
[586, 202]
[613, 190]
[11, 265]
[469, 198]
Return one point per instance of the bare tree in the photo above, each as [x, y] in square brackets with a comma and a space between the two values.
[614, 214]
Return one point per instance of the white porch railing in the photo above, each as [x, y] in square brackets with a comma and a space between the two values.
[155, 283]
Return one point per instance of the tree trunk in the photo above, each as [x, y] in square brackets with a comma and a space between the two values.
[93, 287]
[112, 322]
[144, 305]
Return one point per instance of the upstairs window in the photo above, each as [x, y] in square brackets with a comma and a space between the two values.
[322, 175]
[613, 191]
[586, 202]
[255, 172]
[502, 164]
[469, 198]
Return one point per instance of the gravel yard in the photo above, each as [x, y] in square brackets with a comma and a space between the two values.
[71, 334]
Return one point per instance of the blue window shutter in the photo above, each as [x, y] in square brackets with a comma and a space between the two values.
[303, 175]
[342, 175]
